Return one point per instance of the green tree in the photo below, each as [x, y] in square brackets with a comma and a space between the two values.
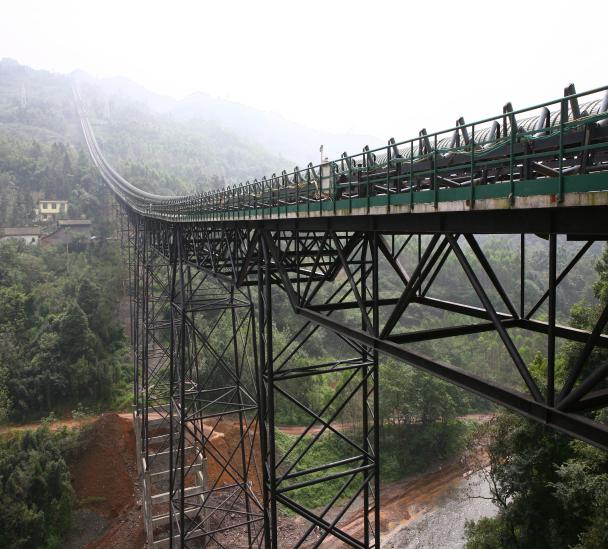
[75, 339]
[36, 496]
[551, 491]
[13, 306]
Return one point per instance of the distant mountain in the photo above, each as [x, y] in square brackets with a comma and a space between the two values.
[271, 130]
[36, 104]
[153, 147]
[129, 90]
[275, 132]
[196, 143]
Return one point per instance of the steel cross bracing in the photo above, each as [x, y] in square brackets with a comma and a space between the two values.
[189, 383]
[325, 273]
[365, 282]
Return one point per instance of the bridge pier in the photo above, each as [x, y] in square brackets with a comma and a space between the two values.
[349, 419]
[196, 406]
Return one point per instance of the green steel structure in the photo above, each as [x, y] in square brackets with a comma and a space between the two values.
[531, 152]
[324, 241]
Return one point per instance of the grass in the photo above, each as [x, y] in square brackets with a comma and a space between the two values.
[327, 449]
[91, 500]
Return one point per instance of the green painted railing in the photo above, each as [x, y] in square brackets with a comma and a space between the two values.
[553, 137]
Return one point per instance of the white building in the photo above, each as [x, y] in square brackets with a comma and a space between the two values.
[30, 235]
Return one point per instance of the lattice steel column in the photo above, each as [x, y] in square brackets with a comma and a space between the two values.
[306, 265]
[213, 409]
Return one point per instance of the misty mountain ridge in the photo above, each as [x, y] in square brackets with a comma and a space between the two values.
[203, 141]
[271, 130]
[154, 149]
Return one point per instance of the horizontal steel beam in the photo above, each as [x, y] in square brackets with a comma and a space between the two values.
[572, 424]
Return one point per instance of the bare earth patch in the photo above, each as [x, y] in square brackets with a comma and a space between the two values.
[104, 477]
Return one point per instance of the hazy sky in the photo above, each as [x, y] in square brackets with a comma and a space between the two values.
[381, 67]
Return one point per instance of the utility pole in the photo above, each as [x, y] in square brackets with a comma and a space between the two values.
[67, 251]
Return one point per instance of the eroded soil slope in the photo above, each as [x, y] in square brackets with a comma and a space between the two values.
[104, 477]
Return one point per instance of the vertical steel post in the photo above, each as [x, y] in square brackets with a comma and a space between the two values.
[364, 397]
[522, 276]
[472, 166]
[131, 239]
[172, 351]
[512, 137]
[435, 183]
[181, 367]
[239, 398]
[376, 387]
[551, 326]
[271, 406]
[145, 338]
[411, 175]
[563, 119]
[264, 392]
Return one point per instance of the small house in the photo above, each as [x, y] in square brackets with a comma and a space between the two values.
[68, 230]
[30, 235]
[50, 209]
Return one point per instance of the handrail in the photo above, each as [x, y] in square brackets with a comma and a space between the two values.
[479, 142]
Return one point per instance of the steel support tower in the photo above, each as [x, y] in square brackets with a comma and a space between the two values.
[358, 251]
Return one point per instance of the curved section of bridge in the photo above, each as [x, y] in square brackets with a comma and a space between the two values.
[536, 151]
[358, 249]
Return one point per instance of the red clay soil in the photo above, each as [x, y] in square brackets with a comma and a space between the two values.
[104, 477]
[225, 439]
[404, 500]
[70, 423]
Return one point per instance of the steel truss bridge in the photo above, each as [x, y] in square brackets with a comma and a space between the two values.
[211, 275]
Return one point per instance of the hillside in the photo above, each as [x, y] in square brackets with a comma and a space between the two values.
[289, 139]
[155, 149]
[158, 142]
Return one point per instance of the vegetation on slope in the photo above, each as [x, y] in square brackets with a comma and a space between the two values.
[30, 169]
[179, 155]
[61, 341]
[551, 491]
[36, 496]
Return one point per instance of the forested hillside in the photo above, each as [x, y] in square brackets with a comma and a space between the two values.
[63, 353]
[36, 496]
[61, 340]
[155, 150]
[30, 169]
[289, 139]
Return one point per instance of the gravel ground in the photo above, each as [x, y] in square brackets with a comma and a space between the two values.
[86, 527]
[442, 526]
